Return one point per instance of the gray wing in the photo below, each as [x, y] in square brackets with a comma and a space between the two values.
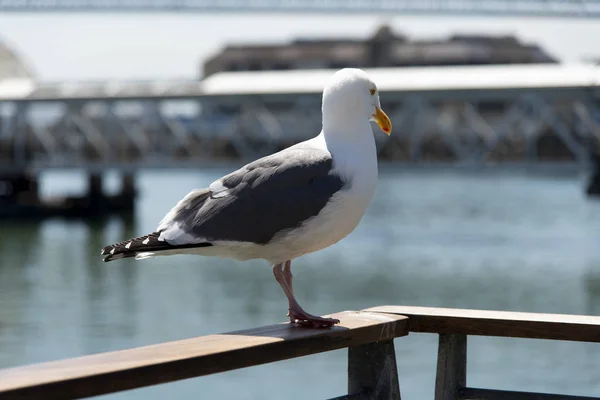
[256, 202]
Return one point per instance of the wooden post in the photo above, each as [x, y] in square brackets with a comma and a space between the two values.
[451, 374]
[372, 372]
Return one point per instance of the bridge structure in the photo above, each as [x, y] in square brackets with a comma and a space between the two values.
[543, 8]
[484, 115]
[465, 116]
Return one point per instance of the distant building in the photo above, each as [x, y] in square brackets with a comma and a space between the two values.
[384, 49]
[593, 60]
[11, 66]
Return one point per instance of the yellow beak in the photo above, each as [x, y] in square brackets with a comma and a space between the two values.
[382, 120]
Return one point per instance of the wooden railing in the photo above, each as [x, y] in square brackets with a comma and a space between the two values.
[454, 325]
[368, 335]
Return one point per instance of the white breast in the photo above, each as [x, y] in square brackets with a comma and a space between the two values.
[356, 161]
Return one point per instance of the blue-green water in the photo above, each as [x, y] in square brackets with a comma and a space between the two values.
[490, 240]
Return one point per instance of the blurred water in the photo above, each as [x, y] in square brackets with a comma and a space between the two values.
[506, 241]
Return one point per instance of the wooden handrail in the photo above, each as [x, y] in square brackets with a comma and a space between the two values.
[368, 334]
[454, 325]
[582, 328]
[166, 362]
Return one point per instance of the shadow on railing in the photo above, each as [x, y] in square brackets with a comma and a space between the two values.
[368, 335]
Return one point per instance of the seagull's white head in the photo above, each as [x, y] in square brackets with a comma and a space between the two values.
[350, 96]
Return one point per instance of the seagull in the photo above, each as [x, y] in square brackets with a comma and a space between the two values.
[297, 201]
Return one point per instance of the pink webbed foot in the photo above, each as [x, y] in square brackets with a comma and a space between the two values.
[299, 316]
[283, 275]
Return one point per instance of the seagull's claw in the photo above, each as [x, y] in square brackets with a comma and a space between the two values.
[324, 323]
[303, 318]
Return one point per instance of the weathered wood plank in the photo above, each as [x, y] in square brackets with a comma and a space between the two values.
[372, 371]
[451, 375]
[488, 394]
[133, 368]
[498, 323]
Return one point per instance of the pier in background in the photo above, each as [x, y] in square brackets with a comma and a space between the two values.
[464, 116]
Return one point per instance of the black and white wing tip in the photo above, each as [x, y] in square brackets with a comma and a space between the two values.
[142, 247]
[132, 247]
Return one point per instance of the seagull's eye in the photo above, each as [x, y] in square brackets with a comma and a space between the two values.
[373, 91]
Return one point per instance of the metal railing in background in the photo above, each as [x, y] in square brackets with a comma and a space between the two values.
[451, 128]
[476, 115]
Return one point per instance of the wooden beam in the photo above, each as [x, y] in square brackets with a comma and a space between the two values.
[498, 323]
[166, 362]
[488, 394]
[372, 371]
[451, 375]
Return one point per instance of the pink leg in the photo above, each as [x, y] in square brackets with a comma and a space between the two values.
[283, 275]
[287, 274]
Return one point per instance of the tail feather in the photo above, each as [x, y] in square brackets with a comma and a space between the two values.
[142, 245]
